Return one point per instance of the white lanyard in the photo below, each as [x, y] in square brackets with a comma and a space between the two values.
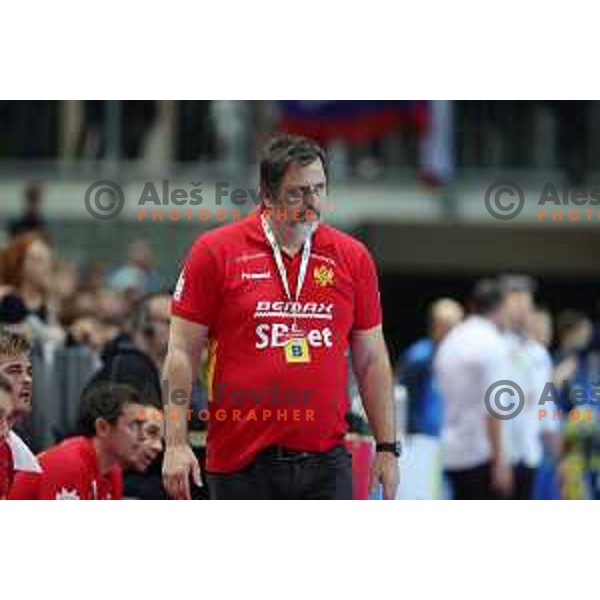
[279, 260]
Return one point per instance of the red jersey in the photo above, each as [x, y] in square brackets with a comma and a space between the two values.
[260, 394]
[69, 472]
[6, 469]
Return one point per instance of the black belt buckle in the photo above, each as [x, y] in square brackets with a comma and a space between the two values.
[284, 454]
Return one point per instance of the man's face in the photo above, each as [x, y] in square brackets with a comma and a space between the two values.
[6, 408]
[37, 268]
[540, 328]
[517, 309]
[125, 436]
[582, 335]
[303, 188]
[19, 372]
[152, 442]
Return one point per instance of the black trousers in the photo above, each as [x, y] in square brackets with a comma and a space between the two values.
[279, 474]
[472, 484]
[523, 481]
[476, 483]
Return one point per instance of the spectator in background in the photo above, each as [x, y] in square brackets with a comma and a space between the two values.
[420, 463]
[110, 309]
[31, 219]
[28, 270]
[93, 277]
[66, 281]
[579, 373]
[13, 315]
[574, 333]
[540, 337]
[86, 332]
[138, 277]
[524, 433]
[147, 332]
[471, 358]
[94, 320]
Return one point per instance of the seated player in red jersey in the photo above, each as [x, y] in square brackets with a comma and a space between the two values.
[16, 368]
[89, 467]
[6, 459]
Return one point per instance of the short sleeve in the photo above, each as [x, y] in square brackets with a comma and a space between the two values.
[367, 302]
[198, 289]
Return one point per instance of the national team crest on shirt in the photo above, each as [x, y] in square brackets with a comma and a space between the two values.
[66, 494]
[323, 276]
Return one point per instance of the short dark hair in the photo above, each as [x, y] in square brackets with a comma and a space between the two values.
[282, 151]
[104, 400]
[568, 320]
[516, 283]
[486, 296]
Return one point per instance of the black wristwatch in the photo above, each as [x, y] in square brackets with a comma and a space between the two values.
[394, 447]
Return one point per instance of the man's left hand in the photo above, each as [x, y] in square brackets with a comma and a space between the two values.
[385, 472]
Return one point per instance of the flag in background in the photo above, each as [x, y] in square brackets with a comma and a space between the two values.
[351, 120]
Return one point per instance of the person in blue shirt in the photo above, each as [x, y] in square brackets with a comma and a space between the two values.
[420, 466]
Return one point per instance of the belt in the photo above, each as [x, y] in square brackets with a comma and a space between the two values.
[284, 454]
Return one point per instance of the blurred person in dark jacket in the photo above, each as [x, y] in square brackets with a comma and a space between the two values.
[135, 358]
[421, 463]
[574, 332]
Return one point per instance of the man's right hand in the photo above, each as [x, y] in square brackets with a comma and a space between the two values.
[178, 464]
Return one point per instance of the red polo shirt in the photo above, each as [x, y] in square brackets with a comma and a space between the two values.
[6, 469]
[69, 472]
[231, 284]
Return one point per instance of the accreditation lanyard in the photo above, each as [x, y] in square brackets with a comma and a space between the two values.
[279, 261]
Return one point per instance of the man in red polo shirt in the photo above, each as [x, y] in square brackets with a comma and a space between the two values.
[280, 298]
[89, 467]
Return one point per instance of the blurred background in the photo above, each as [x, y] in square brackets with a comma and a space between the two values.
[407, 177]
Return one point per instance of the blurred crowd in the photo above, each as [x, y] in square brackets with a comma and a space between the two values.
[454, 445]
[501, 399]
[59, 302]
